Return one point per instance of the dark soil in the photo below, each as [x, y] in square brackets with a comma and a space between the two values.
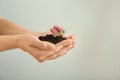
[52, 39]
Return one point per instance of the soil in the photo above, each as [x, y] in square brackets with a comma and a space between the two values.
[52, 39]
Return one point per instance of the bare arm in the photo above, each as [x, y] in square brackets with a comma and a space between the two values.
[8, 42]
[7, 27]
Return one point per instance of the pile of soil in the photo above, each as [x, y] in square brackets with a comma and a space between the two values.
[52, 39]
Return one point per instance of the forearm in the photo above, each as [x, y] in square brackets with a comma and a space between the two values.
[8, 42]
[8, 27]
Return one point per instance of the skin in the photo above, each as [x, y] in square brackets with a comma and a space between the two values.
[14, 36]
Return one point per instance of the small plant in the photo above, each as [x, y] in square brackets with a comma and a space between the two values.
[55, 37]
[57, 31]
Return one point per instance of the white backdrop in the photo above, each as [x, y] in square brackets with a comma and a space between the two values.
[96, 24]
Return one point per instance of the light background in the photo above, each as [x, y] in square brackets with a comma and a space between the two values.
[96, 24]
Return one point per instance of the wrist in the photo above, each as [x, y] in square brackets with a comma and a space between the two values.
[8, 42]
[17, 40]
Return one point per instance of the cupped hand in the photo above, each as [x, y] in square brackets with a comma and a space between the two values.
[31, 44]
[62, 48]
[42, 50]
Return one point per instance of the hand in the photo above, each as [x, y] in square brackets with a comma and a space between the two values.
[60, 51]
[63, 47]
[32, 45]
[43, 50]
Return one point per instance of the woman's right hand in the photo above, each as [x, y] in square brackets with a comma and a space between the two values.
[31, 44]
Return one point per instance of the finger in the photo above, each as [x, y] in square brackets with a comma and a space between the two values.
[60, 53]
[44, 53]
[44, 45]
[62, 44]
[38, 53]
[73, 37]
[32, 50]
[65, 50]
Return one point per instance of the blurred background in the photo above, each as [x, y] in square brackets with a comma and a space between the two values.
[96, 24]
